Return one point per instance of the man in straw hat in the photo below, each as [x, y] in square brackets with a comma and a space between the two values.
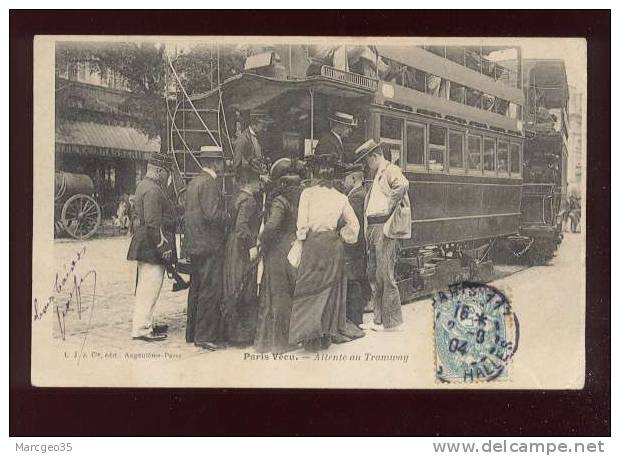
[150, 247]
[206, 221]
[387, 214]
[330, 144]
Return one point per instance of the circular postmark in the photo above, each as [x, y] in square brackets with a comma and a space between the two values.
[476, 333]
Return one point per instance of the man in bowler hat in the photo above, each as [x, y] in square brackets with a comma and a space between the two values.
[247, 149]
[330, 144]
[206, 221]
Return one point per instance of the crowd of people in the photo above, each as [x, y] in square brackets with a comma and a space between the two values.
[295, 257]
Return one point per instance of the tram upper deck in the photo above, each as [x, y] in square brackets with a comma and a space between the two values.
[462, 154]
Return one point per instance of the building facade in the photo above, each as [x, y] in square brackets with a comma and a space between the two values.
[575, 119]
[95, 133]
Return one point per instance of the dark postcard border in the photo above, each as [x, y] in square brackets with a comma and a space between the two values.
[188, 412]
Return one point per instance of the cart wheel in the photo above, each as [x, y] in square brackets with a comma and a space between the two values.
[81, 216]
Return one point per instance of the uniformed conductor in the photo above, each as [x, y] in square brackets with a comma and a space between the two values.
[150, 247]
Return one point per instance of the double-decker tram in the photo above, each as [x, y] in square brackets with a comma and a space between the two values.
[545, 157]
[449, 116]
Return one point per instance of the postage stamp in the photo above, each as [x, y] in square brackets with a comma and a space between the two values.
[476, 334]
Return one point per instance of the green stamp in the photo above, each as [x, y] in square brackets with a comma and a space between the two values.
[476, 334]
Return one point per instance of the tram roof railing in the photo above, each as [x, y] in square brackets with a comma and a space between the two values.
[349, 78]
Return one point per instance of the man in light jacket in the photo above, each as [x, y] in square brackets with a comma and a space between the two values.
[387, 214]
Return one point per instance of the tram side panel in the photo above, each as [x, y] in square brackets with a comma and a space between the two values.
[455, 222]
[459, 209]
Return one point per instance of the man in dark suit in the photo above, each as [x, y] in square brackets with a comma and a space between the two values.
[331, 144]
[355, 254]
[247, 149]
[151, 245]
[205, 221]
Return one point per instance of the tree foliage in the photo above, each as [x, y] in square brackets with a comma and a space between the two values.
[203, 66]
[145, 69]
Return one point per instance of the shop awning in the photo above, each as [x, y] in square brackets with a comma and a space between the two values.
[90, 138]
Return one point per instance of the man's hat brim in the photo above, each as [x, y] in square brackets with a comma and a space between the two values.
[343, 122]
[343, 118]
[160, 160]
[261, 117]
[364, 153]
[211, 152]
[285, 166]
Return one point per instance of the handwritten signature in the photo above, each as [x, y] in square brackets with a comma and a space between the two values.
[59, 283]
[63, 307]
[69, 296]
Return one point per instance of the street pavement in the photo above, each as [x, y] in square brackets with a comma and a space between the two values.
[547, 300]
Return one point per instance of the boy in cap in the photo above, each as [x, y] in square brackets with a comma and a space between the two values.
[355, 254]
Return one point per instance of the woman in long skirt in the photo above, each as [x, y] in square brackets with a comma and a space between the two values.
[278, 281]
[240, 295]
[319, 299]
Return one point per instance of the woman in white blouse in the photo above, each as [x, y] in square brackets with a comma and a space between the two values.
[324, 220]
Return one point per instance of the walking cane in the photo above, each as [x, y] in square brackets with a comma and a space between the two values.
[259, 269]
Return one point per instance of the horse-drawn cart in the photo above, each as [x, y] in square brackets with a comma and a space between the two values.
[76, 212]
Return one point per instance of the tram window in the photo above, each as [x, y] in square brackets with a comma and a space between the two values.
[457, 92]
[489, 154]
[391, 133]
[501, 106]
[404, 75]
[391, 128]
[473, 97]
[414, 79]
[474, 149]
[456, 150]
[515, 158]
[436, 148]
[513, 111]
[415, 143]
[502, 157]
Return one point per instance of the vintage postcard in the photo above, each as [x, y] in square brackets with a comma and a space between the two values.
[309, 212]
